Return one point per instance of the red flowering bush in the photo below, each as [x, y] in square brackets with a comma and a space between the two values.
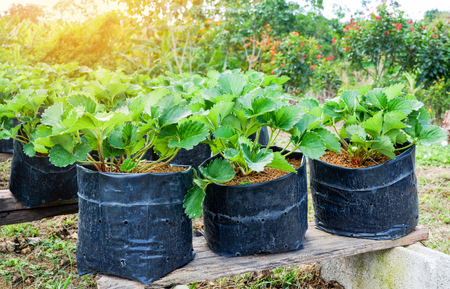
[373, 43]
[296, 57]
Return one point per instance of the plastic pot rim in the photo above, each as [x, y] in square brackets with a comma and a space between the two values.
[403, 154]
[303, 163]
[85, 168]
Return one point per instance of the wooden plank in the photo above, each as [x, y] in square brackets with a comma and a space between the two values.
[318, 246]
[9, 203]
[29, 215]
[5, 156]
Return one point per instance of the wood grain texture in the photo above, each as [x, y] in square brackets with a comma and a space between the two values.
[13, 212]
[29, 215]
[318, 246]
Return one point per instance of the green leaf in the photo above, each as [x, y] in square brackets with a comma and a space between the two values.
[279, 162]
[28, 149]
[330, 139]
[350, 97]
[231, 83]
[218, 170]
[83, 101]
[311, 145]
[391, 122]
[219, 112]
[401, 105]
[261, 105]
[374, 125]
[363, 89]
[355, 129]
[52, 114]
[256, 161]
[377, 98]
[127, 166]
[61, 157]
[306, 120]
[82, 149]
[394, 91]
[384, 145]
[286, 117]
[430, 134]
[193, 202]
[173, 114]
[224, 132]
[308, 103]
[190, 133]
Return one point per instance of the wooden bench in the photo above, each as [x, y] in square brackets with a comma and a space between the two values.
[207, 265]
[13, 212]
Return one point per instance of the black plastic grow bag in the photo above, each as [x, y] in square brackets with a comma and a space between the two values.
[36, 181]
[133, 225]
[378, 202]
[267, 217]
[263, 138]
[7, 145]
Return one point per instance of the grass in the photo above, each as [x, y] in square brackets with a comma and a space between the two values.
[433, 178]
[41, 255]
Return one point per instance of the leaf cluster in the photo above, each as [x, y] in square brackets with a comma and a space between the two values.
[380, 122]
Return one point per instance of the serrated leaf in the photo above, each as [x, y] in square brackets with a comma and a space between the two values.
[218, 170]
[231, 83]
[193, 202]
[83, 101]
[82, 149]
[430, 134]
[256, 160]
[218, 113]
[306, 120]
[308, 103]
[374, 125]
[401, 105]
[190, 134]
[394, 90]
[312, 145]
[279, 162]
[127, 166]
[261, 105]
[363, 89]
[377, 98]
[286, 117]
[61, 157]
[330, 139]
[355, 129]
[391, 122]
[28, 150]
[224, 132]
[52, 115]
[349, 97]
[384, 145]
[173, 114]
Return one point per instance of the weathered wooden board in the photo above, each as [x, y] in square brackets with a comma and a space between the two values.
[13, 212]
[207, 265]
[5, 156]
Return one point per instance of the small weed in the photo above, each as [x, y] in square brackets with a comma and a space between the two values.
[245, 183]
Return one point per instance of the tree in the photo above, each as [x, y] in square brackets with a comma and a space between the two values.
[28, 11]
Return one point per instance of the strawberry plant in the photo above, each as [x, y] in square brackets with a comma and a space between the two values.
[243, 104]
[122, 136]
[26, 106]
[380, 122]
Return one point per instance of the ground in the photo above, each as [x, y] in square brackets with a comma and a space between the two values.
[41, 254]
